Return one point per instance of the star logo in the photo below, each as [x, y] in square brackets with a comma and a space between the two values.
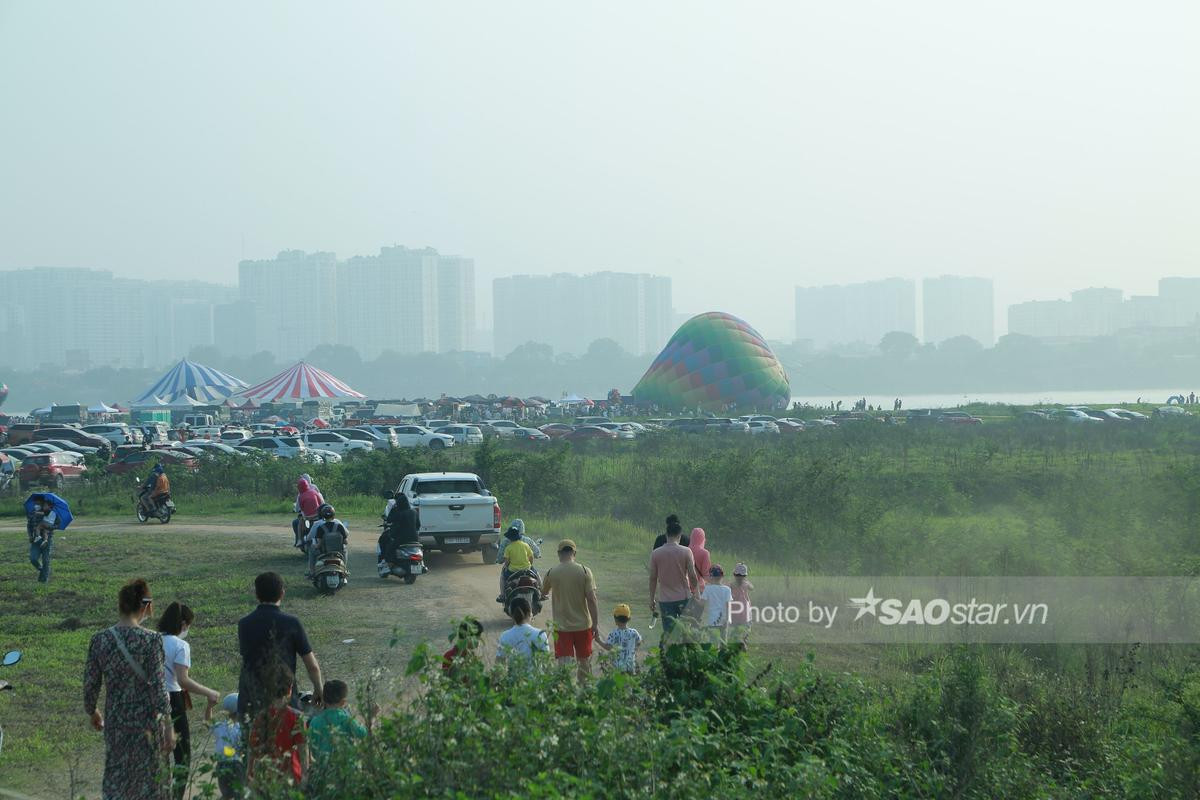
[865, 605]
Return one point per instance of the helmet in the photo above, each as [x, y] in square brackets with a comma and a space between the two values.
[512, 534]
[325, 511]
[623, 610]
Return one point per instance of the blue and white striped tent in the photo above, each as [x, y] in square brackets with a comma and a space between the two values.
[196, 381]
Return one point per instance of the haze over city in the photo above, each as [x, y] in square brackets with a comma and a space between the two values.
[740, 152]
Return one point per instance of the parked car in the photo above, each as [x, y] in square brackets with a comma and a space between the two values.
[278, 446]
[585, 432]
[1034, 415]
[958, 418]
[757, 418]
[210, 448]
[529, 435]
[434, 424]
[63, 444]
[921, 416]
[417, 436]
[234, 436]
[621, 429]
[117, 433]
[463, 434]
[42, 447]
[335, 442]
[21, 432]
[385, 432]
[51, 469]
[1132, 416]
[1071, 415]
[758, 426]
[1105, 416]
[556, 430]
[725, 425]
[1171, 412]
[789, 426]
[75, 435]
[378, 441]
[503, 427]
[689, 425]
[134, 462]
[590, 420]
[17, 453]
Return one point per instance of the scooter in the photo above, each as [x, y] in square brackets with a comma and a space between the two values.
[408, 564]
[526, 583]
[10, 658]
[330, 574]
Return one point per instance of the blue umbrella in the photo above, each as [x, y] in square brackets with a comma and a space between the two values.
[60, 507]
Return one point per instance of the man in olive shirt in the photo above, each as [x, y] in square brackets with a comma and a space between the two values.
[576, 616]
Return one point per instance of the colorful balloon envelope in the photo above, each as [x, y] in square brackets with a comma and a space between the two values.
[713, 361]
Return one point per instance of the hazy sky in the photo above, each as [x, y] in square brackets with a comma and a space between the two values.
[742, 148]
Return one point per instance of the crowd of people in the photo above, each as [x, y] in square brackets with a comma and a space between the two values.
[261, 734]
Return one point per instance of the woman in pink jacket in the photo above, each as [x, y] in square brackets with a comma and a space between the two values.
[308, 503]
[702, 558]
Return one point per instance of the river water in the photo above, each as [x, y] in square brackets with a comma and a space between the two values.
[1091, 397]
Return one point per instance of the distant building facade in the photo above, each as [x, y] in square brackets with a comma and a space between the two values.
[568, 312]
[102, 321]
[1105, 312]
[858, 312]
[957, 306]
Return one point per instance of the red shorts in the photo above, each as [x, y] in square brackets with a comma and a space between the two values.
[573, 643]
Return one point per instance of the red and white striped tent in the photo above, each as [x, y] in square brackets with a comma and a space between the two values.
[300, 382]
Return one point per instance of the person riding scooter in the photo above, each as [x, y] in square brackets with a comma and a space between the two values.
[517, 557]
[308, 503]
[401, 526]
[330, 535]
[156, 487]
[518, 526]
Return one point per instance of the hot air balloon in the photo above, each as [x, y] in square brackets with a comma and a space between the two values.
[713, 361]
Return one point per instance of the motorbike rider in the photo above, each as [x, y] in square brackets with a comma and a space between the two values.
[517, 557]
[401, 526]
[308, 503]
[156, 486]
[518, 526]
[330, 535]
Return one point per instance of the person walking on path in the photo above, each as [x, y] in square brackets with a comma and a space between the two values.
[673, 578]
[128, 661]
[174, 625]
[661, 539]
[267, 638]
[700, 555]
[572, 589]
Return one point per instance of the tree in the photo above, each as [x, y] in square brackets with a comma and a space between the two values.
[336, 356]
[960, 347]
[898, 345]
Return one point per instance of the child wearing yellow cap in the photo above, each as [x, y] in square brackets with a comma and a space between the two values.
[625, 640]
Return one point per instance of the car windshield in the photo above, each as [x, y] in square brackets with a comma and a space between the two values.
[292, 441]
[446, 486]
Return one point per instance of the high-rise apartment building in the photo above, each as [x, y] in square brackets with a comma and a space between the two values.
[569, 312]
[455, 304]
[858, 312]
[295, 299]
[389, 302]
[99, 320]
[956, 306]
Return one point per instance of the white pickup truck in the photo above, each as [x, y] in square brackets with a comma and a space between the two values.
[458, 514]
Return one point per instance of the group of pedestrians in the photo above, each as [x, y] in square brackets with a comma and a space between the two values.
[262, 734]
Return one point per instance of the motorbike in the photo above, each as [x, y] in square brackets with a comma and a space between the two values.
[10, 658]
[525, 583]
[408, 563]
[330, 574]
[163, 511]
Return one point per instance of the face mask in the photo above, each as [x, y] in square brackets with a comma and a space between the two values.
[183, 633]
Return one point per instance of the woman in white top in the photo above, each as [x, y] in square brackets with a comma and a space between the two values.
[174, 625]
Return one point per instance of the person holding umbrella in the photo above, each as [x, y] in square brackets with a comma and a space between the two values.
[45, 513]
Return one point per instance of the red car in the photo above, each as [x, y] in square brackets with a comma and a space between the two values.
[556, 429]
[584, 432]
[133, 462]
[52, 469]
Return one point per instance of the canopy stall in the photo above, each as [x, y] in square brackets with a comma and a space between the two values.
[195, 381]
[101, 408]
[298, 383]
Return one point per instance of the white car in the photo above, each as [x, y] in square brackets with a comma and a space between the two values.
[623, 430]
[335, 442]
[209, 446]
[503, 427]
[463, 434]
[756, 418]
[758, 426]
[315, 456]
[1072, 415]
[233, 436]
[379, 441]
[116, 432]
[416, 436]
[278, 446]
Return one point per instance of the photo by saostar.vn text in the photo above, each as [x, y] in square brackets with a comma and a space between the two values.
[892, 611]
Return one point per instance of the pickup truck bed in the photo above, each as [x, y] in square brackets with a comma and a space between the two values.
[457, 513]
